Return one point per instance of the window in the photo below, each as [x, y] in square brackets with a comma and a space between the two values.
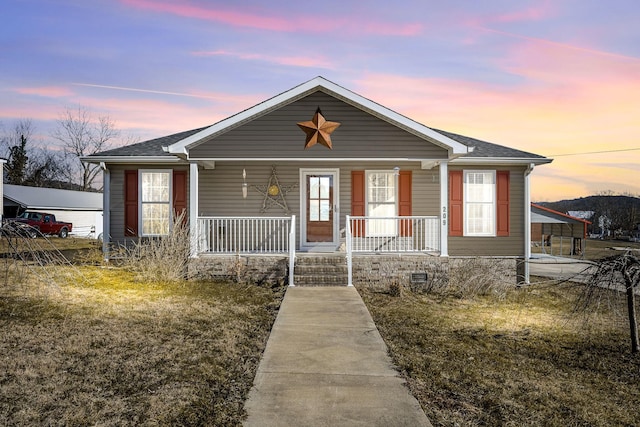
[479, 203]
[320, 198]
[381, 202]
[155, 202]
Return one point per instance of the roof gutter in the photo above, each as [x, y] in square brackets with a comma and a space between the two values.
[100, 160]
[501, 161]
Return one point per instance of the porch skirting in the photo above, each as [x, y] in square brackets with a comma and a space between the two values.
[380, 271]
[261, 269]
[375, 271]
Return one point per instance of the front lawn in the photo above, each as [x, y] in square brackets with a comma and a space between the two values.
[96, 347]
[523, 360]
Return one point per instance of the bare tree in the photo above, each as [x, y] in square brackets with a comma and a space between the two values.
[81, 136]
[617, 273]
[27, 165]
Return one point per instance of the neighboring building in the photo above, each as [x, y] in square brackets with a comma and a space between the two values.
[587, 215]
[357, 177]
[82, 209]
[547, 223]
[2, 163]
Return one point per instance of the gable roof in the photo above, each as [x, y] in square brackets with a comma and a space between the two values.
[323, 85]
[173, 148]
[52, 198]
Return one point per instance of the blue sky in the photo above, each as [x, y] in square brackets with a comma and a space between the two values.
[550, 77]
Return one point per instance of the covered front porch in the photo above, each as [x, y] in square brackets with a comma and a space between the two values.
[256, 207]
[269, 236]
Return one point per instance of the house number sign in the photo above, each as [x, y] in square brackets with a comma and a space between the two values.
[444, 215]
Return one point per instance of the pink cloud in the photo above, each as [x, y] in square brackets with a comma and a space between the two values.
[45, 91]
[296, 61]
[262, 21]
[534, 13]
[557, 108]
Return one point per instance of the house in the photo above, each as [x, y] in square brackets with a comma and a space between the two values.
[2, 163]
[82, 209]
[546, 223]
[317, 174]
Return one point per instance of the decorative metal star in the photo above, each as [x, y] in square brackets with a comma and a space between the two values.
[274, 193]
[318, 130]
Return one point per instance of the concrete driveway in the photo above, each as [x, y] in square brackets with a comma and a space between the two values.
[553, 267]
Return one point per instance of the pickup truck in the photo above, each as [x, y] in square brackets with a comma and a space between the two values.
[43, 223]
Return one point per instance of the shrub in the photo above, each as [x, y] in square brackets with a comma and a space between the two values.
[395, 289]
[471, 277]
[163, 258]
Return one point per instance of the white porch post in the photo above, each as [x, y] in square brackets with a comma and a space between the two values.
[444, 209]
[193, 208]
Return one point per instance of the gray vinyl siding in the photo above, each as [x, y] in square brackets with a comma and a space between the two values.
[276, 134]
[116, 200]
[221, 195]
[512, 245]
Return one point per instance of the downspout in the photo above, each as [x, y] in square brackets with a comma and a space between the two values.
[527, 221]
[106, 210]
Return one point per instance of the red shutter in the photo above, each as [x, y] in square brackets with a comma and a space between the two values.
[502, 191]
[456, 222]
[357, 201]
[131, 203]
[179, 192]
[404, 202]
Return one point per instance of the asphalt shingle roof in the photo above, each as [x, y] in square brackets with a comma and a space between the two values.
[152, 147]
[488, 149]
[52, 198]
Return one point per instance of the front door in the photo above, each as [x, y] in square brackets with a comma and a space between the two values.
[320, 209]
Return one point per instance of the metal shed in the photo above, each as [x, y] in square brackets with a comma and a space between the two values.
[82, 209]
[547, 223]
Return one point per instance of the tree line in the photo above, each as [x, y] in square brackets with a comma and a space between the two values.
[76, 134]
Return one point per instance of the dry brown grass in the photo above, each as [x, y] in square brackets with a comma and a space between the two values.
[104, 349]
[525, 360]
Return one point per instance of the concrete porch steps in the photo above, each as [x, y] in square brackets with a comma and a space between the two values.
[320, 270]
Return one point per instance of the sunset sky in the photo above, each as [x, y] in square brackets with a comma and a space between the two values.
[557, 78]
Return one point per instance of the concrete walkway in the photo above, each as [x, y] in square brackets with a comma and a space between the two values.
[325, 364]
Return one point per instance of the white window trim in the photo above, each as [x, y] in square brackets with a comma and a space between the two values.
[466, 232]
[140, 202]
[367, 173]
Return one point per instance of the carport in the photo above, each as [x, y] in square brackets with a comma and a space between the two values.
[547, 223]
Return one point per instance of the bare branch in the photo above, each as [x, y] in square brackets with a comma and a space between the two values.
[618, 273]
[81, 136]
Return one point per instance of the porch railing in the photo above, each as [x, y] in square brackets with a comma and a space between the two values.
[390, 235]
[393, 234]
[246, 235]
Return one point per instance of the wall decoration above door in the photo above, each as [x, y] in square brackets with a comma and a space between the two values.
[274, 193]
[318, 130]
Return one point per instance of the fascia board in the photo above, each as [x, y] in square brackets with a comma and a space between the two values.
[307, 159]
[132, 159]
[499, 161]
[321, 84]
